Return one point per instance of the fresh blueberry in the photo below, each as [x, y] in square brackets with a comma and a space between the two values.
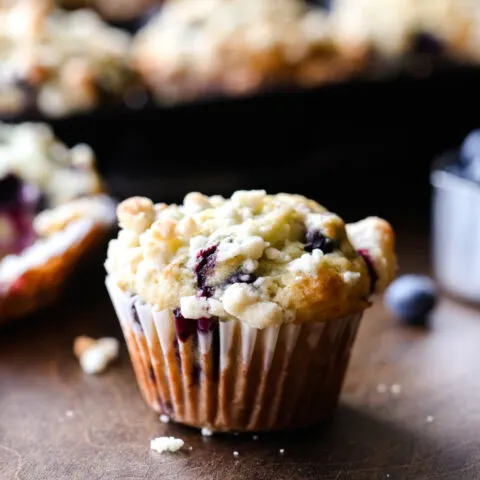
[411, 298]
[470, 149]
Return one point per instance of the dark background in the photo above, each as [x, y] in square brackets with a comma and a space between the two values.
[362, 147]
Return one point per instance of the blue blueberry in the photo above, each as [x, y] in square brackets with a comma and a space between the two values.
[411, 298]
[470, 149]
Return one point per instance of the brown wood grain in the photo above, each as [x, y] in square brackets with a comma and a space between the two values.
[57, 423]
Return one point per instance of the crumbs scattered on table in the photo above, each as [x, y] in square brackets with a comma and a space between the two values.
[255, 437]
[281, 451]
[190, 448]
[381, 388]
[206, 432]
[95, 355]
[235, 454]
[429, 419]
[396, 389]
[166, 444]
[164, 418]
[69, 413]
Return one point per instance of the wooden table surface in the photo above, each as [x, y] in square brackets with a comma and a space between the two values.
[58, 423]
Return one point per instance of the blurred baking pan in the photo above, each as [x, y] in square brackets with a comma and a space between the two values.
[365, 139]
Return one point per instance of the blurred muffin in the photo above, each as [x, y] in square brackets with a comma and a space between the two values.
[224, 301]
[196, 47]
[57, 62]
[52, 211]
[397, 28]
[114, 10]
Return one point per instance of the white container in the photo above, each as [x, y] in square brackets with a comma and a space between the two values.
[456, 233]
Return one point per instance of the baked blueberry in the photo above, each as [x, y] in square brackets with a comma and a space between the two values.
[371, 270]
[203, 268]
[185, 327]
[317, 240]
[426, 43]
[10, 190]
[240, 276]
[411, 298]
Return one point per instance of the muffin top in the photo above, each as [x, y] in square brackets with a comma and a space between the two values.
[263, 259]
[57, 61]
[30, 153]
[237, 42]
[392, 26]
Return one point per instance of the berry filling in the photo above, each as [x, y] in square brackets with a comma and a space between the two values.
[187, 327]
[18, 206]
[316, 240]
[371, 270]
[205, 264]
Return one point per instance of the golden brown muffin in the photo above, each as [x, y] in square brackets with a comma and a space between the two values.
[224, 301]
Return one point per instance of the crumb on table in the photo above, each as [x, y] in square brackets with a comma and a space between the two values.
[166, 444]
[164, 418]
[95, 355]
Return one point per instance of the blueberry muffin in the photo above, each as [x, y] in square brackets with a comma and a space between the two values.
[114, 10]
[60, 63]
[223, 301]
[400, 28]
[52, 211]
[197, 47]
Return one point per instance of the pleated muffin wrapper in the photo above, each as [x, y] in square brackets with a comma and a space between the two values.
[227, 376]
[36, 277]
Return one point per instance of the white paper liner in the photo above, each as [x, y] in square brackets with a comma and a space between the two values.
[236, 377]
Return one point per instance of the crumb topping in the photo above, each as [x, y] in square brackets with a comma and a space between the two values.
[262, 259]
[392, 26]
[166, 444]
[239, 45]
[61, 62]
[95, 355]
[31, 152]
